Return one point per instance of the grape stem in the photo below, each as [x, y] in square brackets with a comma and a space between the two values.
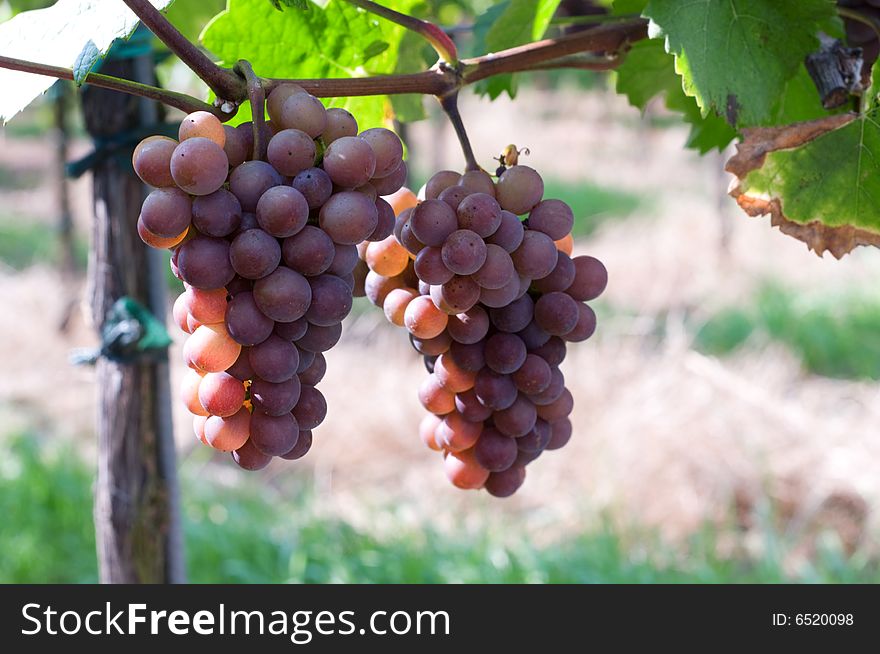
[449, 102]
[182, 101]
[433, 34]
[222, 81]
[257, 98]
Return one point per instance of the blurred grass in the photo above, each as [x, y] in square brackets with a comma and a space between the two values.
[834, 333]
[256, 532]
[26, 242]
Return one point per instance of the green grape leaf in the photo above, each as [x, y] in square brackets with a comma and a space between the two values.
[71, 33]
[505, 25]
[190, 16]
[649, 71]
[736, 56]
[818, 180]
[339, 40]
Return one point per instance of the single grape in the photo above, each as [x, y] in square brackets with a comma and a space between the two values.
[377, 287]
[518, 419]
[283, 295]
[434, 397]
[387, 148]
[339, 123]
[553, 217]
[500, 297]
[304, 112]
[315, 372]
[477, 181]
[282, 211]
[560, 279]
[277, 97]
[217, 214]
[395, 304]
[189, 392]
[152, 160]
[311, 409]
[247, 325]
[273, 435]
[309, 252]
[210, 348]
[349, 217]
[519, 189]
[513, 317]
[291, 151]
[330, 300]
[254, 254]
[229, 433]
[470, 407]
[470, 326]
[350, 161]
[453, 196]
[533, 376]
[505, 353]
[249, 457]
[463, 470]
[457, 295]
[537, 438]
[320, 339]
[455, 433]
[203, 262]
[431, 347]
[493, 389]
[556, 313]
[590, 279]
[509, 234]
[553, 392]
[469, 356]
[533, 336]
[241, 369]
[221, 394]
[302, 447]
[480, 213]
[560, 433]
[239, 144]
[274, 360]
[452, 376]
[391, 183]
[250, 180]
[536, 256]
[199, 166]
[387, 257]
[202, 124]
[497, 270]
[552, 351]
[160, 242]
[439, 182]
[166, 212]
[432, 222]
[275, 399]
[506, 482]
[385, 222]
[464, 252]
[585, 327]
[206, 306]
[344, 260]
[424, 320]
[494, 451]
[315, 185]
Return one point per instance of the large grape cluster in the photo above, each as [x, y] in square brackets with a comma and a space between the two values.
[490, 300]
[266, 249]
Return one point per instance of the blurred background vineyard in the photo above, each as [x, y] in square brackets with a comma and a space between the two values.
[726, 412]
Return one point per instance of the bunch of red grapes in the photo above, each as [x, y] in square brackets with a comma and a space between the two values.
[490, 300]
[266, 248]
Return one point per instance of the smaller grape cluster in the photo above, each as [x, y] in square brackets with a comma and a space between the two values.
[490, 300]
[266, 249]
